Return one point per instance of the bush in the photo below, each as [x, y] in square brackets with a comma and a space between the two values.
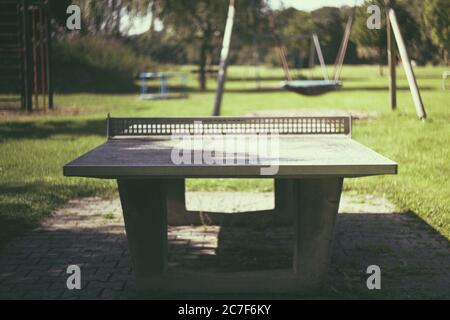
[95, 64]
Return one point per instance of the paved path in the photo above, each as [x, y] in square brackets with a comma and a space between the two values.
[414, 259]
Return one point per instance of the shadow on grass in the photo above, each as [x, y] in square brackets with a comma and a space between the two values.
[15, 219]
[263, 79]
[272, 89]
[241, 90]
[437, 76]
[22, 206]
[386, 88]
[412, 256]
[255, 79]
[46, 129]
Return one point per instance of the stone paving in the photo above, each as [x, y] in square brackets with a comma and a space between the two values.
[89, 232]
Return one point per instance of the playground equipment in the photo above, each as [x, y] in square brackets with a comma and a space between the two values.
[25, 54]
[311, 87]
[393, 32]
[224, 59]
[163, 85]
[394, 29]
[315, 87]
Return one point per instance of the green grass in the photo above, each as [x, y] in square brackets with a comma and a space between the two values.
[33, 148]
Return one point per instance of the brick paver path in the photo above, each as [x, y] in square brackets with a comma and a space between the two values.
[414, 259]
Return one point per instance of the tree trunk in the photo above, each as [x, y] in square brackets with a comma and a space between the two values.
[202, 66]
[153, 14]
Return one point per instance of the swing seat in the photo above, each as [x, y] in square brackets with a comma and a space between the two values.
[311, 87]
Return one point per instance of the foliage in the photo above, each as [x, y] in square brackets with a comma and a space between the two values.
[198, 23]
[410, 15]
[328, 25]
[436, 20]
[191, 31]
[104, 17]
[160, 47]
[58, 11]
[95, 64]
[365, 37]
[202, 23]
[296, 35]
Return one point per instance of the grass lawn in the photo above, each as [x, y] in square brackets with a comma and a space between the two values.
[33, 148]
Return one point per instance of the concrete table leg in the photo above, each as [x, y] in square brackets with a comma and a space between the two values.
[284, 201]
[144, 210]
[315, 205]
[317, 202]
[176, 203]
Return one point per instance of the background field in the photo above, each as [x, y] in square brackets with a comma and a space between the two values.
[33, 148]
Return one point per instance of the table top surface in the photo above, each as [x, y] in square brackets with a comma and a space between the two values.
[291, 155]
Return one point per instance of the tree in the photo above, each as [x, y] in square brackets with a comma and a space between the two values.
[422, 49]
[296, 28]
[376, 38]
[436, 18]
[370, 38]
[201, 24]
[296, 34]
[104, 17]
[58, 11]
[328, 25]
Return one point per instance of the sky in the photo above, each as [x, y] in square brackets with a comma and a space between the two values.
[140, 25]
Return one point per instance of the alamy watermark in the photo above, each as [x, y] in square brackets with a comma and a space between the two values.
[374, 20]
[74, 280]
[374, 280]
[200, 148]
[73, 22]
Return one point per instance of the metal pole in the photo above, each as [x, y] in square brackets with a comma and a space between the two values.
[27, 74]
[20, 56]
[48, 49]
[392, 61]
[320, 56]
[34, 44]
[41, 56]
[343, 49]
[224, 59]
[420, 109]
[280, 48]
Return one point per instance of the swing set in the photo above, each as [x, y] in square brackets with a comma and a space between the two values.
[313, 87]
[317, 87]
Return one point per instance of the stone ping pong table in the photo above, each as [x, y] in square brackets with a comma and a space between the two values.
[308, 158]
